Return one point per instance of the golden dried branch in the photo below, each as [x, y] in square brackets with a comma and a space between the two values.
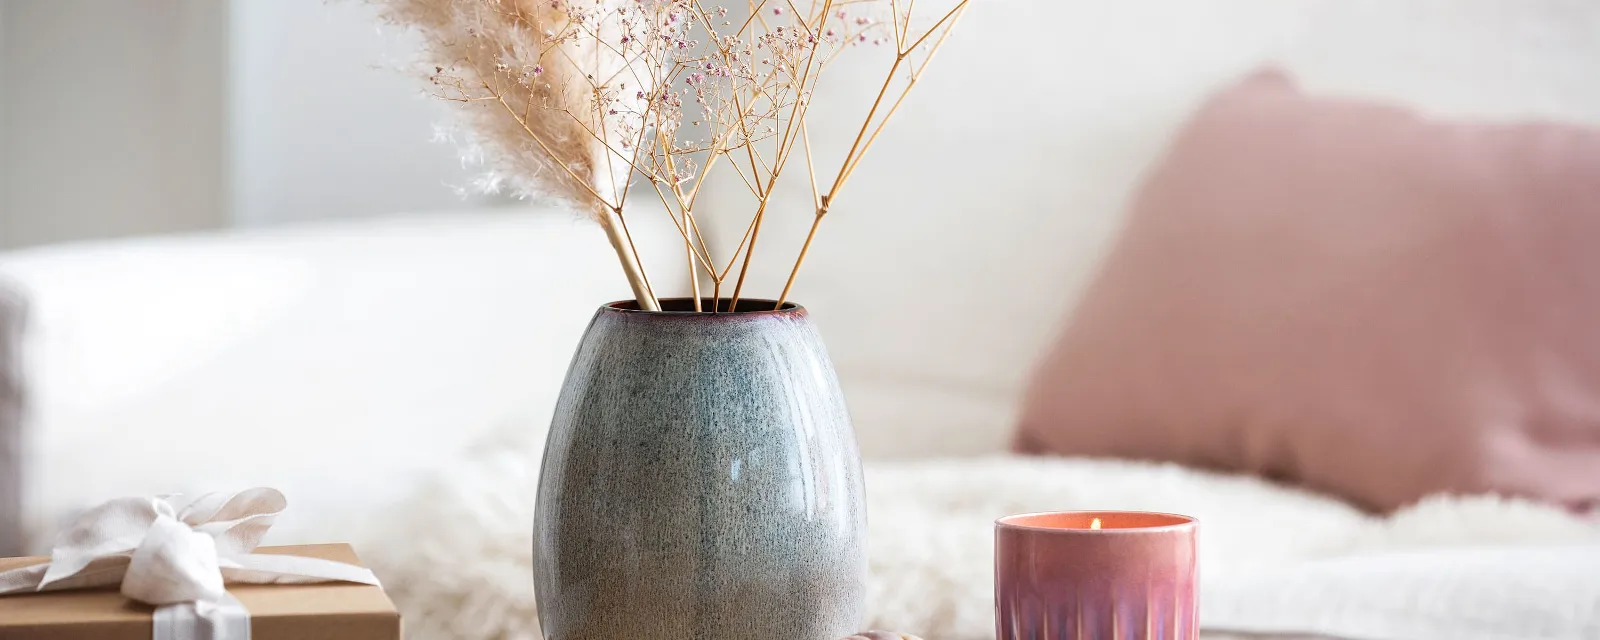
[572, 99]
[858, 149]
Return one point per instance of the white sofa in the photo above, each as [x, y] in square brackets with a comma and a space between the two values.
[335, 361]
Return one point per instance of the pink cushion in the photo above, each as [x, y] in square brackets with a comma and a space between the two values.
[1349, 296]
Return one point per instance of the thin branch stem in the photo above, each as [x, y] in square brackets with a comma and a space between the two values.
[755, 12]
[804, 249]
[753, 190]
[854, 158]
[894, 21]
[654, 304]
[658, 90]
[672, 164]
[695, 227]
[694, 272]
[750, 228]
[838, 185]
[916, 75]
[705, 259]
[871, 114]
[811, 165]
[955, 12]
[760, 17]
[749, 253]
[785, 147]
[546, 149]
[611, 171]
[750, 149]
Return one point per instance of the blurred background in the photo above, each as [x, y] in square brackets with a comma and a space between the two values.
[121, 118]
[288, 134]
[233, 254]
[205, 196]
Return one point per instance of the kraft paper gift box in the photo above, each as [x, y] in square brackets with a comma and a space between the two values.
[167, 569]
[324, 611]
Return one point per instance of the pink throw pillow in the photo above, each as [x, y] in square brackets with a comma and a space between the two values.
[1348, 296]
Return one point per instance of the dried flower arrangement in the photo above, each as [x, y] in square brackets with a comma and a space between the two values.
[585, 99]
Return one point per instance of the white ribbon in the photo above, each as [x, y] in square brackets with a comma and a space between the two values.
[177, 557]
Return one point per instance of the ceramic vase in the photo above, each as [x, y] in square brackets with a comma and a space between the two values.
[700, 481]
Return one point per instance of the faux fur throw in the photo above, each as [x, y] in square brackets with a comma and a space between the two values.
[1274, 561]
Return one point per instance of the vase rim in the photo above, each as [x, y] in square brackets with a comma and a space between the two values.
[681, 307]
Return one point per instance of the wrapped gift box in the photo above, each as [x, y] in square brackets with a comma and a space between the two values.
[325, 611]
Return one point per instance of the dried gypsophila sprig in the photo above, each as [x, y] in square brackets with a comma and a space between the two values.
[581, 98]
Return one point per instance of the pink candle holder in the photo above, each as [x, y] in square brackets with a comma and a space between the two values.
[1096, 575]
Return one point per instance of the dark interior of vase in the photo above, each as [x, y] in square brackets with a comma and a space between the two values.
[686, 305]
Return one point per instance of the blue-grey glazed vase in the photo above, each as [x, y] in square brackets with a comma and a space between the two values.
[700, 482]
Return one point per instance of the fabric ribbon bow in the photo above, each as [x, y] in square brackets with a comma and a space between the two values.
[177, 557]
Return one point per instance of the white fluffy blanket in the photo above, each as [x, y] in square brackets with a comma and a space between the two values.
[1274, 560]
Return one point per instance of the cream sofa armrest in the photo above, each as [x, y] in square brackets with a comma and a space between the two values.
[331, 360]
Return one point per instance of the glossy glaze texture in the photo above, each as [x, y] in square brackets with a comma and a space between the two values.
[1133, 579]
[700, 482]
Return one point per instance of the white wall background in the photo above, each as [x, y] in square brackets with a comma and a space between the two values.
[112, 118]
[121, 118]
[324, 123]
[5, 222]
